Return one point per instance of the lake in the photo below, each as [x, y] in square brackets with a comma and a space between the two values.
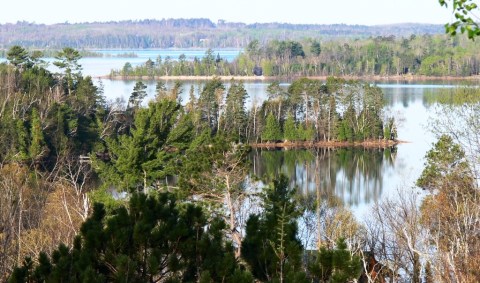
[358, 177]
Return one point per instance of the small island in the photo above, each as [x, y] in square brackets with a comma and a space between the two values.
[308, 113]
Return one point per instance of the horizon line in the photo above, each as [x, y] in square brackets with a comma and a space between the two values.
[219, 21]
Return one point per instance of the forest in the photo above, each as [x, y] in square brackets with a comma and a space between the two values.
[426, 55]
[88, 194]
[185, 33]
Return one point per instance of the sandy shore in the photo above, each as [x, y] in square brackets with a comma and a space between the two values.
[397, 78]
[329, 144]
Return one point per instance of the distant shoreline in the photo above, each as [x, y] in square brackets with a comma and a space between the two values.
[272, 78]
[329, 144]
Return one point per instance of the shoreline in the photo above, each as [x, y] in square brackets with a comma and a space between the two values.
[397, 78]
[328, 144]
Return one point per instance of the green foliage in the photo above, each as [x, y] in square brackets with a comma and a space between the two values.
[208, 104]
[348, 124]
[464, 11]
[67, 60]
[445, 161]
[235, 117]
[127, 69]
[343, 132]
[209, 159]
[308, 132]
[336, 265]
[436, 55]
[154, 239]
[139, 93]
[49, 124]
[160, 90]
[145, 156]
[434, 65]
[37, 149]
[315, 48]
[290, 132]
[271, 247]
[18, 56]
[458, 96]
[272, 131]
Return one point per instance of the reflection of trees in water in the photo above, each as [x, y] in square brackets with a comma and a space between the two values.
[355, 175]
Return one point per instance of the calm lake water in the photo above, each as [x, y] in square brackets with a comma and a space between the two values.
[357, 176]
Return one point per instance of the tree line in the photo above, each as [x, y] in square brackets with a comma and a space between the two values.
[184, 33]
[380, 56]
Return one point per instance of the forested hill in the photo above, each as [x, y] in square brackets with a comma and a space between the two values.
[186, 33]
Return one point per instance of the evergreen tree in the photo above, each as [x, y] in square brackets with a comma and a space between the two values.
[271, 247]
[147, 155]
[37, 149]
[446, 160]
[349, 122]
[213, 173]
[235, 116]
[192, 100]
[290, 132]
[153, 240]
[307, 133]
[67, 59]
[160, 90]
[139, 93]
[272, 130]
[276, 95]
[176, 91]
[208, 104]
[18, 57]
[335, 265]
[315, 48]
[22, 141]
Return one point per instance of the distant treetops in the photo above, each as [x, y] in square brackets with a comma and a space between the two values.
[426, 55]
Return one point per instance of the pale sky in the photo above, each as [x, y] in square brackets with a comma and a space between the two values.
[364, 12]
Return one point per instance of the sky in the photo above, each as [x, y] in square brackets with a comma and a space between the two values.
[363, 12]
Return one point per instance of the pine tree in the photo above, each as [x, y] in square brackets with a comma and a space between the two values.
[147, 155]
[37, 149]
[335, 265]
[272, 131]
[22, 141]
[208, 105]
[308, 132]
[67, 59]
[235, 116]
[154, 239]
[18, 57]
[139, 93]
[445, 160]
[160, 90]
[290, 132]
[271, 247]
[349, 121]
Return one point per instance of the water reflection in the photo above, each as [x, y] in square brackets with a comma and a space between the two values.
[355, 175]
